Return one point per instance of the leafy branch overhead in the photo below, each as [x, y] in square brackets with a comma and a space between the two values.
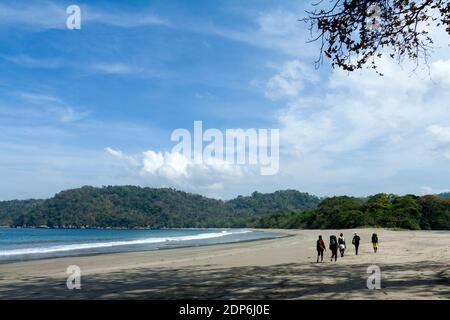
[353, 33]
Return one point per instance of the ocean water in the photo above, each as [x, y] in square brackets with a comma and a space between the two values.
[26, 244]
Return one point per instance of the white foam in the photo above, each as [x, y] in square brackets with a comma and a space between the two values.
[95, 245]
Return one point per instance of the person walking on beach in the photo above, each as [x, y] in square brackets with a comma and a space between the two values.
[355, 242]
[333, 247]
[375, 242]
[320, 249]
[342, 245]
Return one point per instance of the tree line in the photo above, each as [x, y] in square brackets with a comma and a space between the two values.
[137, 207]
[411, 212]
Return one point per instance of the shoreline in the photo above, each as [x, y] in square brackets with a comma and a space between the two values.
[94, 254]
[414, 265]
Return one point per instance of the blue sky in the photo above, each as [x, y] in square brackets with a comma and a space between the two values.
[137, 70]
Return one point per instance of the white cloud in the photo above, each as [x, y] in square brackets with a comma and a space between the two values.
[38, 97]
[67, 114]
[281, 29]
[275, 29]
[27, 61]
[42, 15]
[426, 190]
[152, 162]
[357, 109]
[120, 155]
[440, 139]
[124, 19]
[359, 134]
[114, 68]
[45, 105]
[124, 69]
[440, 72]
[173, 168]
[439, 133]
[365, 130]
[290, 80]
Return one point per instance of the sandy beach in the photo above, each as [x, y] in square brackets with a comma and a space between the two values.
[414, 265]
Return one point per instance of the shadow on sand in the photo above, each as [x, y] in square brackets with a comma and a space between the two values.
[426, 279]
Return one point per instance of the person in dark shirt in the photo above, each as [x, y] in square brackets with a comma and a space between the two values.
[320, 249]
[375, 242]
[355, 242]
[333, 247]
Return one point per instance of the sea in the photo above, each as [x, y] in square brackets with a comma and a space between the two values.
[19, 244]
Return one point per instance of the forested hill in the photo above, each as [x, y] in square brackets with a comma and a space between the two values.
[261, 203]
[13, 209]
[132, 206]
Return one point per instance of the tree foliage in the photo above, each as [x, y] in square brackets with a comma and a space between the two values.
[11, 210]
[381, 210]
[132, 207]
[135, 207]
[352, 33]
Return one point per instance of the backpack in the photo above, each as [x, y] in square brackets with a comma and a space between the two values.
[374, 238]
[333, 242]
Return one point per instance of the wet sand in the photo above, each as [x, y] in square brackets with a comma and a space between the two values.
[414, 265]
